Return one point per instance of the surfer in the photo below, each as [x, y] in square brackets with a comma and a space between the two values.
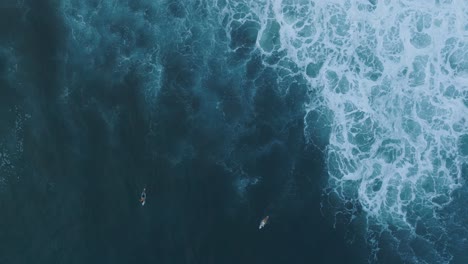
[263, 222]
[143, 197]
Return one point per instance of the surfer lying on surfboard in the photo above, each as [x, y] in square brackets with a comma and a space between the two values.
[264, 222]
[143, 197]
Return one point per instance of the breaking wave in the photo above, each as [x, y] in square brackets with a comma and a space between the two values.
[388, 91]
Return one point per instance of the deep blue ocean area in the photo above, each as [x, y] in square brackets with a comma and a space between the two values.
[345, 122]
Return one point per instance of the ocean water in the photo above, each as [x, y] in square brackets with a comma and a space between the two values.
[344, 121]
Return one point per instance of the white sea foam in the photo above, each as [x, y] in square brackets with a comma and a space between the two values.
[395, 76]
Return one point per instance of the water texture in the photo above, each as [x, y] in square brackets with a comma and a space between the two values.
[345, 121]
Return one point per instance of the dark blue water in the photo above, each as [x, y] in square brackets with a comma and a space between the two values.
[101, 99]
[71, 193]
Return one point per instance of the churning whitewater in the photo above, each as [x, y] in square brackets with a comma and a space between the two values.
[391, 78]
[389, 84]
